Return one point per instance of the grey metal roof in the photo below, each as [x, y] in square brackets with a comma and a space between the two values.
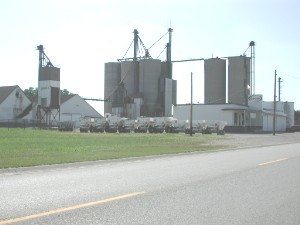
[5, 92]
[65, 98]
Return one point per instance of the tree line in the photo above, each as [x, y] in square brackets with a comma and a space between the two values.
[32, 92]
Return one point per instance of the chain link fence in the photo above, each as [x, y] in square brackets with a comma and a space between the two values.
[24, 123]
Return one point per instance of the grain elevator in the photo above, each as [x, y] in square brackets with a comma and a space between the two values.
[140, 86]
[48, 108]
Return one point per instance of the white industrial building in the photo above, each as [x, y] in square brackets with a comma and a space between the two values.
[256, 117]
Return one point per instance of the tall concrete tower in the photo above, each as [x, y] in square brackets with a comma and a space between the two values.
[214, 81]
[238, 79]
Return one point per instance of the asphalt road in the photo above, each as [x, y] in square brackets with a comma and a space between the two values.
[258, 185]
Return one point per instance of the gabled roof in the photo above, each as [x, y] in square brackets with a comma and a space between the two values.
[64, 98]
[5, 91]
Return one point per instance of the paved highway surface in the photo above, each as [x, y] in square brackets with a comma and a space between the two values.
[252, 186]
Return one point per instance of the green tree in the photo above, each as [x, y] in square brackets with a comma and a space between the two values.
[65, 92]
[31, 92]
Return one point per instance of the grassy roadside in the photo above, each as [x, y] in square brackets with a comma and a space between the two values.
[29, 147]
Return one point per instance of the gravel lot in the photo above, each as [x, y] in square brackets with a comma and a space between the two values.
[253, 140]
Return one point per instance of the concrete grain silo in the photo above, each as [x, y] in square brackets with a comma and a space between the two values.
[238, 79]
[128, 77]
[140, 86]
[112, 78]
[149, 74]
[214, 81]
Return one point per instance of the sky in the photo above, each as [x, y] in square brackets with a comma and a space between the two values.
[80, 36]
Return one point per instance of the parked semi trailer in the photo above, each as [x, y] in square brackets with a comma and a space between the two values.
[113, 124]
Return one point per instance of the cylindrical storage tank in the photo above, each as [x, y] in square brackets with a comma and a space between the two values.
[112, 78]
[238, 79]
[214, 81]
[127, 76]
[149, 73]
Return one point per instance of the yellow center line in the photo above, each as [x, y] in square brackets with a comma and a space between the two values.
[61, 210]
[271, 162]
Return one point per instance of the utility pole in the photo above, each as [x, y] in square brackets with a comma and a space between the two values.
[252, 68]
[135, 65]
[279, 88]
[169, 55]
[191, 113]
[274, 113]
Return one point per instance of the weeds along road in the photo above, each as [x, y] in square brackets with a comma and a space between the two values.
[259, 185]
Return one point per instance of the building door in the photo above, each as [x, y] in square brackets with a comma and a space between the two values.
[239, 119]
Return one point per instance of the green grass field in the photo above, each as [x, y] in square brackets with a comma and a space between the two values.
[19, 147]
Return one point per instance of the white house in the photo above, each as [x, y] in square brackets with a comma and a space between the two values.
[256, 117]
[14, 104]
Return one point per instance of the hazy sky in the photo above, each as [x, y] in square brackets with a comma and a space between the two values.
[79, 36]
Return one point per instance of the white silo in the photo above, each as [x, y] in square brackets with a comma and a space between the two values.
[112, 79]
[214, 81]
[238, 79]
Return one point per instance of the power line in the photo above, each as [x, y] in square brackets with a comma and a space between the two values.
[297, 78]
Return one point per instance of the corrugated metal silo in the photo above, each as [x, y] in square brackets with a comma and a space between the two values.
[238, 79]
[112, 78]
[214, 81]
[149, 73]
